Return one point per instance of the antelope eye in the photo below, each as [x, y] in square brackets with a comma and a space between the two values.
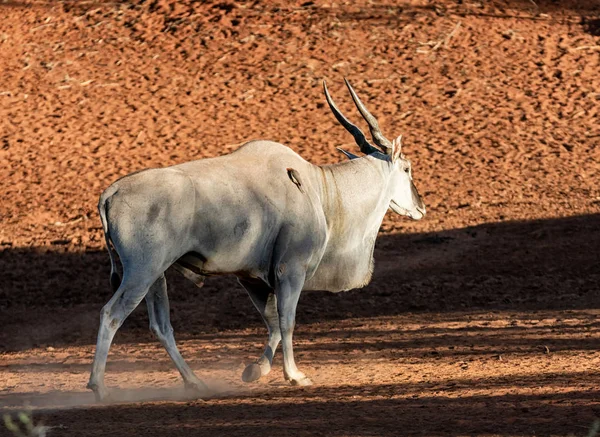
[407, 169]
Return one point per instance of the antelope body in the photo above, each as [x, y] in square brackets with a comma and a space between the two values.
[262, 213]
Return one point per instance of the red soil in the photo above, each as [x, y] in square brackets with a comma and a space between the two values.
[481, 318]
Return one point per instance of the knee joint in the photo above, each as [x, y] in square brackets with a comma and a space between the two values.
[109, 319]
[105, 313]
[274, 334]
[287, 323]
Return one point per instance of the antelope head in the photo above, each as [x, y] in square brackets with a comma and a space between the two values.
[405, 198]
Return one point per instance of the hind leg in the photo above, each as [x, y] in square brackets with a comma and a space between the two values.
[127, 297]
[265, 301]
[160, 324]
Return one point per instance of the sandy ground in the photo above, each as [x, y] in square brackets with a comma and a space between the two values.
[481, 319]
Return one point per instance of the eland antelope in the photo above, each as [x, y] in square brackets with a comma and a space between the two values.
[277, 222]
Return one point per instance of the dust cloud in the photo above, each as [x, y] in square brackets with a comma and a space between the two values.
[60, 400]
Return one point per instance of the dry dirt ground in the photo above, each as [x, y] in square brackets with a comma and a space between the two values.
[482, 319]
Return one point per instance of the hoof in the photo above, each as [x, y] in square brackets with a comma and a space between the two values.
[302, 382]
[251, 373]
[197, 389]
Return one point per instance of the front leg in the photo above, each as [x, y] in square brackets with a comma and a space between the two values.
[288, 291]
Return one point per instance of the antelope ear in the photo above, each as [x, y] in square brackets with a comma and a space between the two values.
[348, 154]
[397, 148]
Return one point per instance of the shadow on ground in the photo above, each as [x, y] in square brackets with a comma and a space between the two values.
[51, 297]
[384, 413]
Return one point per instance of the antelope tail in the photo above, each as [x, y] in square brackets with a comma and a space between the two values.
[115, 279]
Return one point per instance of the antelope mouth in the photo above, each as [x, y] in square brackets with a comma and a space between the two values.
[416, 214]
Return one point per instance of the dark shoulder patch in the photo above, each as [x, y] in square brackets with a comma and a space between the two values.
[153, 213]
